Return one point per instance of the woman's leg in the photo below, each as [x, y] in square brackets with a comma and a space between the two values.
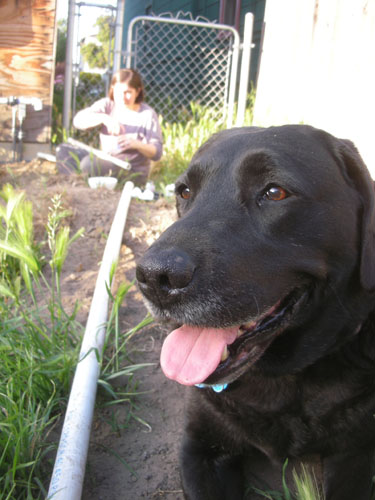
[68, 158]
[139, 175]
[93, 166]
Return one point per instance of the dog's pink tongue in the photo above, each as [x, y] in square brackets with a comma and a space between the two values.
[190, 354]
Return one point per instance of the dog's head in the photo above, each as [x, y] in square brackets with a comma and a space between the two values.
[271, 264]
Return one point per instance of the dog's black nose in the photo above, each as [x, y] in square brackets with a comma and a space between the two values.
[164, 271]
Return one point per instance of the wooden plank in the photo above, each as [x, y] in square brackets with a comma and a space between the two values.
[27, 35]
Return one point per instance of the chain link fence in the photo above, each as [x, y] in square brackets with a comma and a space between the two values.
[88, 88]
[90, 84]
[183, 61]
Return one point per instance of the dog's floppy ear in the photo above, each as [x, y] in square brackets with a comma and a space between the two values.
[359, 175]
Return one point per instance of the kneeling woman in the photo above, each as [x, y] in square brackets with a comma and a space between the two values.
[130, 128]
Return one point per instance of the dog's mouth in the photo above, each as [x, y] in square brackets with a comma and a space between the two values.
[198, 355]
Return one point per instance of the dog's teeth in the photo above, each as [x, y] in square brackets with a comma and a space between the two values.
[246, 328]
[224, 354]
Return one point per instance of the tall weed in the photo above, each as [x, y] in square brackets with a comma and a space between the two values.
[18, 252]
[39, 345]
[305, 487]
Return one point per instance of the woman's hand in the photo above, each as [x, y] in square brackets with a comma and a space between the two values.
[113, 126]
[86, 118]
[125, 143]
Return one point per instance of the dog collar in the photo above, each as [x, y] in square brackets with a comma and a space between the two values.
[215, 387]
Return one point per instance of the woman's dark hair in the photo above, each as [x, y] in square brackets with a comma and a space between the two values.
[132, 78]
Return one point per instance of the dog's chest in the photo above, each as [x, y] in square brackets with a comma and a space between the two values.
[284, 418]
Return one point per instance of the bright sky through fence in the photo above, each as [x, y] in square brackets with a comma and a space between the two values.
[89, 15]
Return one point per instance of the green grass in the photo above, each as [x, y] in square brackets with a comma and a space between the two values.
[183, 137]
[39, 345]
[305, 487]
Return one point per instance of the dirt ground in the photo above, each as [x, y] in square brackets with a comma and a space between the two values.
[129, 458]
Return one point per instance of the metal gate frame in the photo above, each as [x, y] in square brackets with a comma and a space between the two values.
[73, 53]
[233, 52]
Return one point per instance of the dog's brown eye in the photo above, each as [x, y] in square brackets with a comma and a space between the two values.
[185, 192]
[275, 193]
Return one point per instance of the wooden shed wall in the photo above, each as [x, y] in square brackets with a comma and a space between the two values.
[27, 36]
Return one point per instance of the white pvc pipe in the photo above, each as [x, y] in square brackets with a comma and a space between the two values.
[100, 154]
[68, 473]
[245, 68]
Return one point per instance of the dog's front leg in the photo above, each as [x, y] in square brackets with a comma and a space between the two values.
[207, 475]
[348, 477]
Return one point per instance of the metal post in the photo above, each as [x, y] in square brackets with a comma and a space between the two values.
[20, 134]
[118, 35]
[68, 68]
[108, 74]
[245, 68]
[14, 130]
[233, 79]
[129, 44]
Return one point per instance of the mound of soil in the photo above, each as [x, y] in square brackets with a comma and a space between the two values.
[129, 458]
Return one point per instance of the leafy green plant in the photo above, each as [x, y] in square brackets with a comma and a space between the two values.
[18, 253]
[97, 54]
[59, 134]
[62, 34]
[58, 240]
[182, 138]
[115, 342]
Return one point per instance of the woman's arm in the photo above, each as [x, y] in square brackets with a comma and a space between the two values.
[86, 118]
[97, 114]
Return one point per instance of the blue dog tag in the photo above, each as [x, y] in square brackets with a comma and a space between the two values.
[216, 387]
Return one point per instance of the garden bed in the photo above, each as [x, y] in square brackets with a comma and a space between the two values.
[134, 446]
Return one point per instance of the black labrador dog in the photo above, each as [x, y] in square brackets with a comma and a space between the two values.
[270, 274]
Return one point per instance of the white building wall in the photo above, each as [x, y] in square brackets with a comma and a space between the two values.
[318, 68]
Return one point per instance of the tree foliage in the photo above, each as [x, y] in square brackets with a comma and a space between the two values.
[61, 40]
[96, 54]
